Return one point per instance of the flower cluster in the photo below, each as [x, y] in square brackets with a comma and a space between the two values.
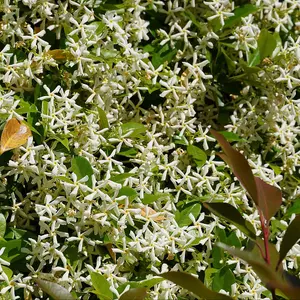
[120, 96]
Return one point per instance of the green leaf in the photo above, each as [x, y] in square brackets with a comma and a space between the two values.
[218, 259]
[9, 273]
[230, 64]
[239, 13]
[134, 294]
[128, 152]
[150, 198]
[56, 291]
[294, 209]
[231, 136]
[272, 279]
[101, 286]
[266, 44]
[2, 225]
[232, 215]
[233, 240]
[291, 236]
[223, 280]
[194, 285]
[81, 167]
[147, 283]
[136, 129]
[103, 122]
[128, 191]
[120, 178]
[164, 54]
[182, 218]
[12, 250]
[198, 155]
[63, 141]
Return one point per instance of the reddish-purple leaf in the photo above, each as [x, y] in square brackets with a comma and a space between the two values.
[291, 236]
[269, 198]
[238, 164]
[134, 294]
[271, 278]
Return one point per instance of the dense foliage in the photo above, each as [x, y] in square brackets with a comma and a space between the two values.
[120, 97]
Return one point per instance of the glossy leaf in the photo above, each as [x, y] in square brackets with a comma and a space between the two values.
[254, 58]
[81, 167]
[290, 238]
[223, 280]
[232, 215]
[231, 136]
[150, 198]
[56, 291]
[103, 122]
[128, 191]
[269, 198]
[147, 283]
[101, 286]
[194, 285]
[2, 225]
[294, 209]
[164, 54]
[239, 13]
[198, 155]
[272, 279]
[134, 294]
[266, 44]
[238, 164]
[182, 218]
[135, 129]
[120, 178]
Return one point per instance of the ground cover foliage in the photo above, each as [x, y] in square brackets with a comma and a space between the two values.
[120, 97]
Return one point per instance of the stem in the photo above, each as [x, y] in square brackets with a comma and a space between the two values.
[273, 294]
[265, 230]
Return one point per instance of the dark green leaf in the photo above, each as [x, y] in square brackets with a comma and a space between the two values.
[163, 54]
[233, 240]
[198, 155]
[128, 152]
[223, 280]
[12, 250]
[194, 285]
[56, 291]
[230, 63]
[218, 259]
[182, 218]
[2, 225]
[232, 215]
[81, 167]
[294, 209]
[291, 236]
[103, 122]
[266, 44]
[239, 13]
[134, 294]
[101, 286]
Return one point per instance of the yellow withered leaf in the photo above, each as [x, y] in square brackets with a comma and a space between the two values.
[14, 135]
[147, 212]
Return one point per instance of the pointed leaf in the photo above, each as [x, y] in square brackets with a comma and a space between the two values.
[101, 286]
[266, 43]
[291, 236]
[238, 164]
[103, 122]
[182, 218]
[272, 279]
[232, 215]
[14, 135]
[56, 291]
[269, 198]
[2, 225]
[81, 167]
[198, 155]
[134, 294]
[194, 285]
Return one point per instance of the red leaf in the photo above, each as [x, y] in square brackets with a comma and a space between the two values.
[269, 198]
